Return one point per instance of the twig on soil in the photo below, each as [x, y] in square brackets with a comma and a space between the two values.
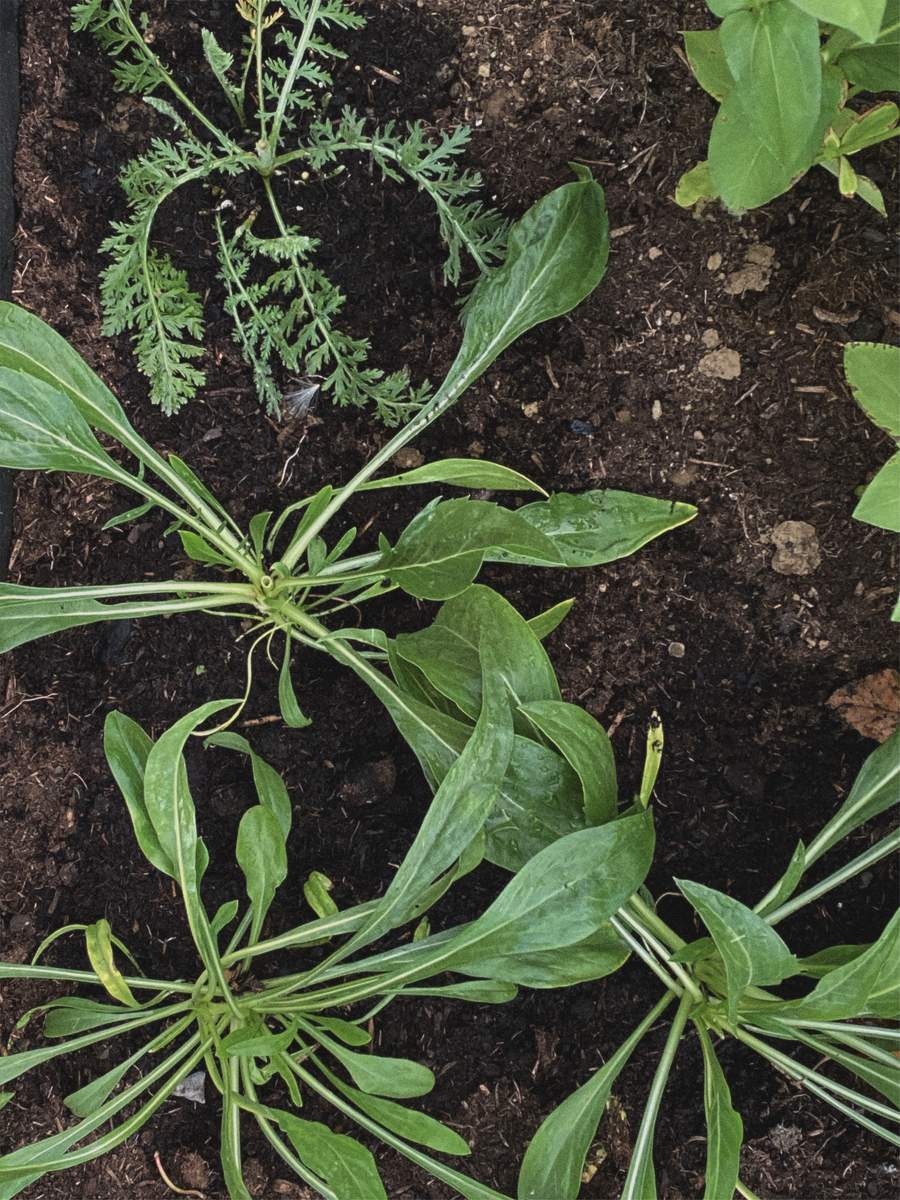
[171, 1186]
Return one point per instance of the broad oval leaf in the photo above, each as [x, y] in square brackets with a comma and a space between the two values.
[441, 551]
[862, 17]
[750, 949]
[585, 745]
[707, 60]
[876, 67]
[873, 372]
[262, 857]
[346, 1166]
[127, 748]
[879, 505]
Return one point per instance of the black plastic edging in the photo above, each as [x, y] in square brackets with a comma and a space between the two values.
[9, 120]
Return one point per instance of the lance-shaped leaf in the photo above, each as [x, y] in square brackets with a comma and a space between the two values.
[858, 987]
[441, 551]
[29, 345]
[406, 1122]
[557, 254]
[25, 617]
[398, 1078]
[875, 789]
[461, 473]
[270, 787]
[127, 748]
[586, 747]
[750, 949]
[99, 943]
[597, 527]
[599, 955]
[555, 1158]
[41, 429]
[262, 857]
[724, 1127]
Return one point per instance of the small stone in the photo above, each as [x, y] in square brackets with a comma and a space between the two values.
[796, 548]
[654, 252]
[684, 476]
[585, 428]
[623, 415]
[192, 1088]
[656, 410]
[676, 649]
[754, 275]
[484, 70]
[409, 458]
[530, 410]
[675, 318]
[720, 364]
[714, 262]
[192, 1169]
[710, 338]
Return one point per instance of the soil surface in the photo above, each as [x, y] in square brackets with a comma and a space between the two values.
[738, 658]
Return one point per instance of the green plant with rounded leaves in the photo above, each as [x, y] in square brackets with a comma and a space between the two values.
[309, 1032]
[784, 73]
[283, 308]
[722, 986]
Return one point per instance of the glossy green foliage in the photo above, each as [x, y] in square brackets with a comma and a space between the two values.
[782, 92]
[723, 985]
[308, 1032]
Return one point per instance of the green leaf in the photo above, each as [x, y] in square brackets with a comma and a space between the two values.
[879, 504]
[874, 790]
[873, 372]
[399, 1078]
[256, 1040]
[863, 17]
[849, 991]
[449, 652]
[270, 787]
[458, 811]
[346, 1031]
[597, 527]
[788, 882]
[876, 67]
[441, 551]
[41, 429]
[555, 1158]
[473, 991]
[724, 1127]
[819, 964]
[773, 55]
[29, 344]
[562, 895]
[291, 713]
[462, 473]
[199, 550]
[751, 950]
[544, 623]
[99, 944]
[877, 124]
[407, 1123]
[586, 747]
[131, 514]
[262, 857]
[317, 893]
[347, 1167]
[695, 184]
[707, 61]
[557, 254]
[127, 748]
[599, 955]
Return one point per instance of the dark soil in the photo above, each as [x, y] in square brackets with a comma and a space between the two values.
[610, 396]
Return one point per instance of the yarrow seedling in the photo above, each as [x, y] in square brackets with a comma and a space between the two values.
[783, 72]
[283, 308]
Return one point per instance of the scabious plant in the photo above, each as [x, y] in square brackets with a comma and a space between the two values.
[283, 308]
[309, 1032]
[295, 586]
[722, 985]
[873, 372]
[784, 73]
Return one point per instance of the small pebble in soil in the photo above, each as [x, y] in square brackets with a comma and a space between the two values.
[586, 428]
[796, 548]
[409, 458]
[720, 364]
[676, 649]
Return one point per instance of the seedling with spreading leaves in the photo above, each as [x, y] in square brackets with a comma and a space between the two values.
[283, 308]
[783, 73]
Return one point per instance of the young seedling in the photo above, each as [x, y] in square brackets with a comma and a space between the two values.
[310, 1031]
[295, 587]
[283, 308]
[783, 73]
[723, 984]
[873, 372]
